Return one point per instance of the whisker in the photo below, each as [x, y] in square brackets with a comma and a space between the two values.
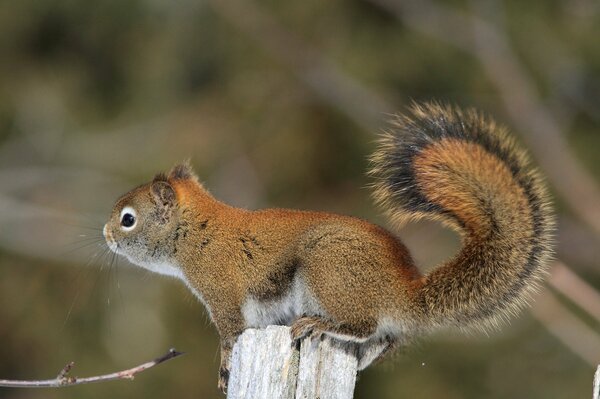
[85, 270]
[81, 226]
[68, 316]
[102, 261]
[86, 240]
[110, 276]
[80, 247]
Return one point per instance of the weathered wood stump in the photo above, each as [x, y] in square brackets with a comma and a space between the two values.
[265, 365]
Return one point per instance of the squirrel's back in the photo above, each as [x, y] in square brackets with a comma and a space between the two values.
[441, 163]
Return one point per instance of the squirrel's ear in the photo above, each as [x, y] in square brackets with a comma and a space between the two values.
[163, 193]
[183, 171]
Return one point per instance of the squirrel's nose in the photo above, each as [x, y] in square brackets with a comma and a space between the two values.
[109, 239]
[106, 234]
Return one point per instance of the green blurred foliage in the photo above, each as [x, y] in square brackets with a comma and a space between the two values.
[95, 97]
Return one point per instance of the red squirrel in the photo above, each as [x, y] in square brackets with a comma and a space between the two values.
[323, 273]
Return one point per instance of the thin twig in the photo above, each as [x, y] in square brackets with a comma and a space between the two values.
[64, 380]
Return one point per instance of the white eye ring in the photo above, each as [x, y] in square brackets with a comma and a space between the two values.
[128, 210]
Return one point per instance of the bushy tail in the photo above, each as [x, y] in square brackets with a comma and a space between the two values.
[462, 169]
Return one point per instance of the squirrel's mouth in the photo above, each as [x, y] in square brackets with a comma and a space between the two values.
[110, 240]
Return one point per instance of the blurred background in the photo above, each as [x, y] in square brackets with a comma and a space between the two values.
[277, 104]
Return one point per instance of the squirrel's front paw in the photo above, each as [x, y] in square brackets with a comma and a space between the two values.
[223, 379]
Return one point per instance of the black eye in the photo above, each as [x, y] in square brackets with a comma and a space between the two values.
[127, 220]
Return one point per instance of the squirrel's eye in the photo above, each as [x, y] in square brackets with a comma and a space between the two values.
[127, 220]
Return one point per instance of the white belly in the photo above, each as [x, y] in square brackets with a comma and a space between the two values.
[284, 310]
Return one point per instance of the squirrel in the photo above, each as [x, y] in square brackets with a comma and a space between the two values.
[323, 273]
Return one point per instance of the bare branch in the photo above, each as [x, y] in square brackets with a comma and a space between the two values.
[65, 371]
[64, 380]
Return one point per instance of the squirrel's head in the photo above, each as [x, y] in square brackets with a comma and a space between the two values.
[145, 222]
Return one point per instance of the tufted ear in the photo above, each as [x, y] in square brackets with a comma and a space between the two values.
[163, 193]
[183, 171]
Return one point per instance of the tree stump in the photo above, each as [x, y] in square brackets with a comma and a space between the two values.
[265, 365]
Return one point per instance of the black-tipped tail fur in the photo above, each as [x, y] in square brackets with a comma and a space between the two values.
[441, 163]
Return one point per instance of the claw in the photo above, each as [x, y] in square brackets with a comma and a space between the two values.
[305, 327]
[223, 380]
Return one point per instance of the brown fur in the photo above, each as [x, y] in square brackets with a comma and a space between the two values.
[362, 279]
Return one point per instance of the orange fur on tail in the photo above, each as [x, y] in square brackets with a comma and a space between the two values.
[460, 168]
